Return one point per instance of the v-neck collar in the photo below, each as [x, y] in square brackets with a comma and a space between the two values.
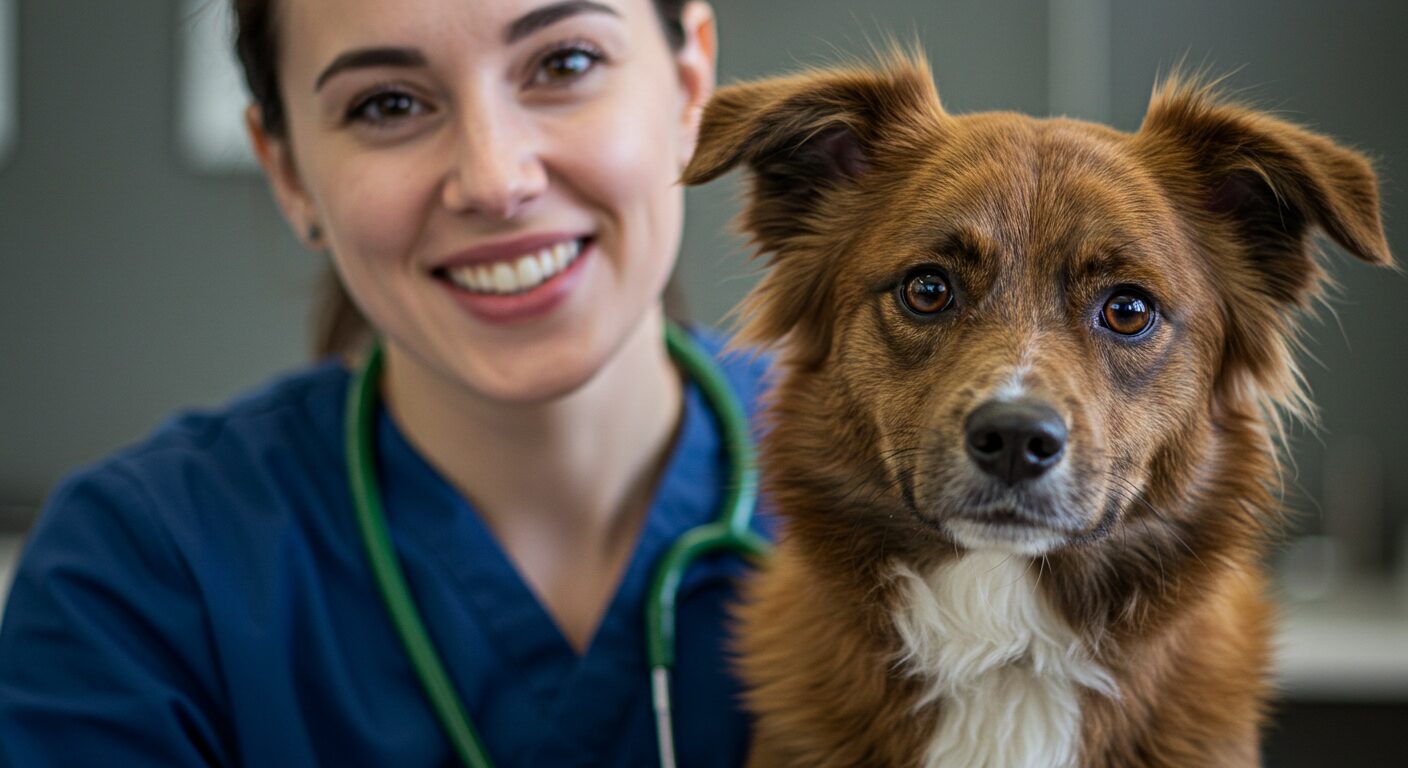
[574, 692]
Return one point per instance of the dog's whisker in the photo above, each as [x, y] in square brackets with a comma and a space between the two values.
[1157, 552]
[1128, 492]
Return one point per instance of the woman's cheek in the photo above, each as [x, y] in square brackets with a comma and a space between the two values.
[636, 142]
[381, 211]
[631, 174]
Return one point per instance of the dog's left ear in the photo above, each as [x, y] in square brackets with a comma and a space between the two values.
[808, 140]
[1270, 181]
[1258, 188]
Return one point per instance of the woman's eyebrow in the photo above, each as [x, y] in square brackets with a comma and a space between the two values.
[520, 28]
[538, 18]
[370, 57]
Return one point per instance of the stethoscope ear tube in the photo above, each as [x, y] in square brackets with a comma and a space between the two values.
[371, 520]
[660, 612]
[729, 533]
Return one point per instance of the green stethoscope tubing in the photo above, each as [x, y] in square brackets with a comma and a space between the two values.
[729, 532]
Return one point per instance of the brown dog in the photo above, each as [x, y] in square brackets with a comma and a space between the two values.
[1023, 442]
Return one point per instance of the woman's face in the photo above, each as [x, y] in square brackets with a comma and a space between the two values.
[496, 180]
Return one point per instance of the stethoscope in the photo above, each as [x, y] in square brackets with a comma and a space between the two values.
[730, 532]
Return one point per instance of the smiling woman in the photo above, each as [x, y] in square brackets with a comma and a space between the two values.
[342, 328]
[495, 186]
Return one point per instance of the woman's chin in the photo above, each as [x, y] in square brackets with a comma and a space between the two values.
[536, 374]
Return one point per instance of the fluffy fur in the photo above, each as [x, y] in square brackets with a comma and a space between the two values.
[1109, 612]
[980, 635]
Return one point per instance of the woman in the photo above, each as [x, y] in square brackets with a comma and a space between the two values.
[495, 185]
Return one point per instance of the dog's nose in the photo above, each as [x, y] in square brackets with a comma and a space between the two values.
[1015, 441]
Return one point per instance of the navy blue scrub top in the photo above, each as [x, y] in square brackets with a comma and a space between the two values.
[203, 599]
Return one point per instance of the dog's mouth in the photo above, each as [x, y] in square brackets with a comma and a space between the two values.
[1003, 529]
[1003, 516]
[1015, 530]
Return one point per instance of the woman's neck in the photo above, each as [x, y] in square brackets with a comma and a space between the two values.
[575, 458]
[563, 484]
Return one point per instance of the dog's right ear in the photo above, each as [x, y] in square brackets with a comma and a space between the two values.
[803, 138]
[804, 134]
[796, 134]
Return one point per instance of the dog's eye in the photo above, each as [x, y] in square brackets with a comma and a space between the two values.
[926, 293]
[1127, 312]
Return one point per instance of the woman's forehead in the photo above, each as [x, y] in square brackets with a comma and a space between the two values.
[504, 21]
[316, 33]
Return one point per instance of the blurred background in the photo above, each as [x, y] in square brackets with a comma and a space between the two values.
[143, 267]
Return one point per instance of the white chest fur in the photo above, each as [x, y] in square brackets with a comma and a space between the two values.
[1007, 668]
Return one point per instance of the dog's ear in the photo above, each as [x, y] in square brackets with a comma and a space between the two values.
[798, 134]
[807, 140]
[1258, 188]
[1272, 183]
[805, 134]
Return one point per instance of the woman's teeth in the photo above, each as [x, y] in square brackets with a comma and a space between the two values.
[516, 275]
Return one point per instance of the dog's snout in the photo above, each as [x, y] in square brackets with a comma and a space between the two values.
[1015, 441]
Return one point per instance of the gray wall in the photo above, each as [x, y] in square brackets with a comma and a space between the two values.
[131, 285]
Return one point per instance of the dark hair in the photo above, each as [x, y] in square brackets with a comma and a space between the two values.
[339, 327]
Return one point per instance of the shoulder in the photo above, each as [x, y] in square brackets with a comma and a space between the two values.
[746, 369]
[302, 404]
[202, 512]
[204, 467]
[139, 562]
[294, 417]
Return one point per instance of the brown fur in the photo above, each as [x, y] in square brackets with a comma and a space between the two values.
[859, 175]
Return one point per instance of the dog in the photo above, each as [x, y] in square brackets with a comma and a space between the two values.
[1024, 431]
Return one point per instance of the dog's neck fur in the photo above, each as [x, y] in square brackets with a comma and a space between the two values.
[1005, 669]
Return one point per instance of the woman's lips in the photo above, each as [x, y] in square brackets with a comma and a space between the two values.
[518, 274]
[519, 288]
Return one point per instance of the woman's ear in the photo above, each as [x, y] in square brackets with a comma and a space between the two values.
[276, 158]
[696, 61]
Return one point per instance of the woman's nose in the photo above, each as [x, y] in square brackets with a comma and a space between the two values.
[497, 170]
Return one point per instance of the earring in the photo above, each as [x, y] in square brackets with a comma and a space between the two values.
[315, 233]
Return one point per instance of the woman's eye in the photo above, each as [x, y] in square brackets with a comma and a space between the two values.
[386, 107]
[1128, 312]
[565, 65]
[926, 293]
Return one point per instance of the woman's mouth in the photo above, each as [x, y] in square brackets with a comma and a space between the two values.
[511, 288]
[517, 274]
